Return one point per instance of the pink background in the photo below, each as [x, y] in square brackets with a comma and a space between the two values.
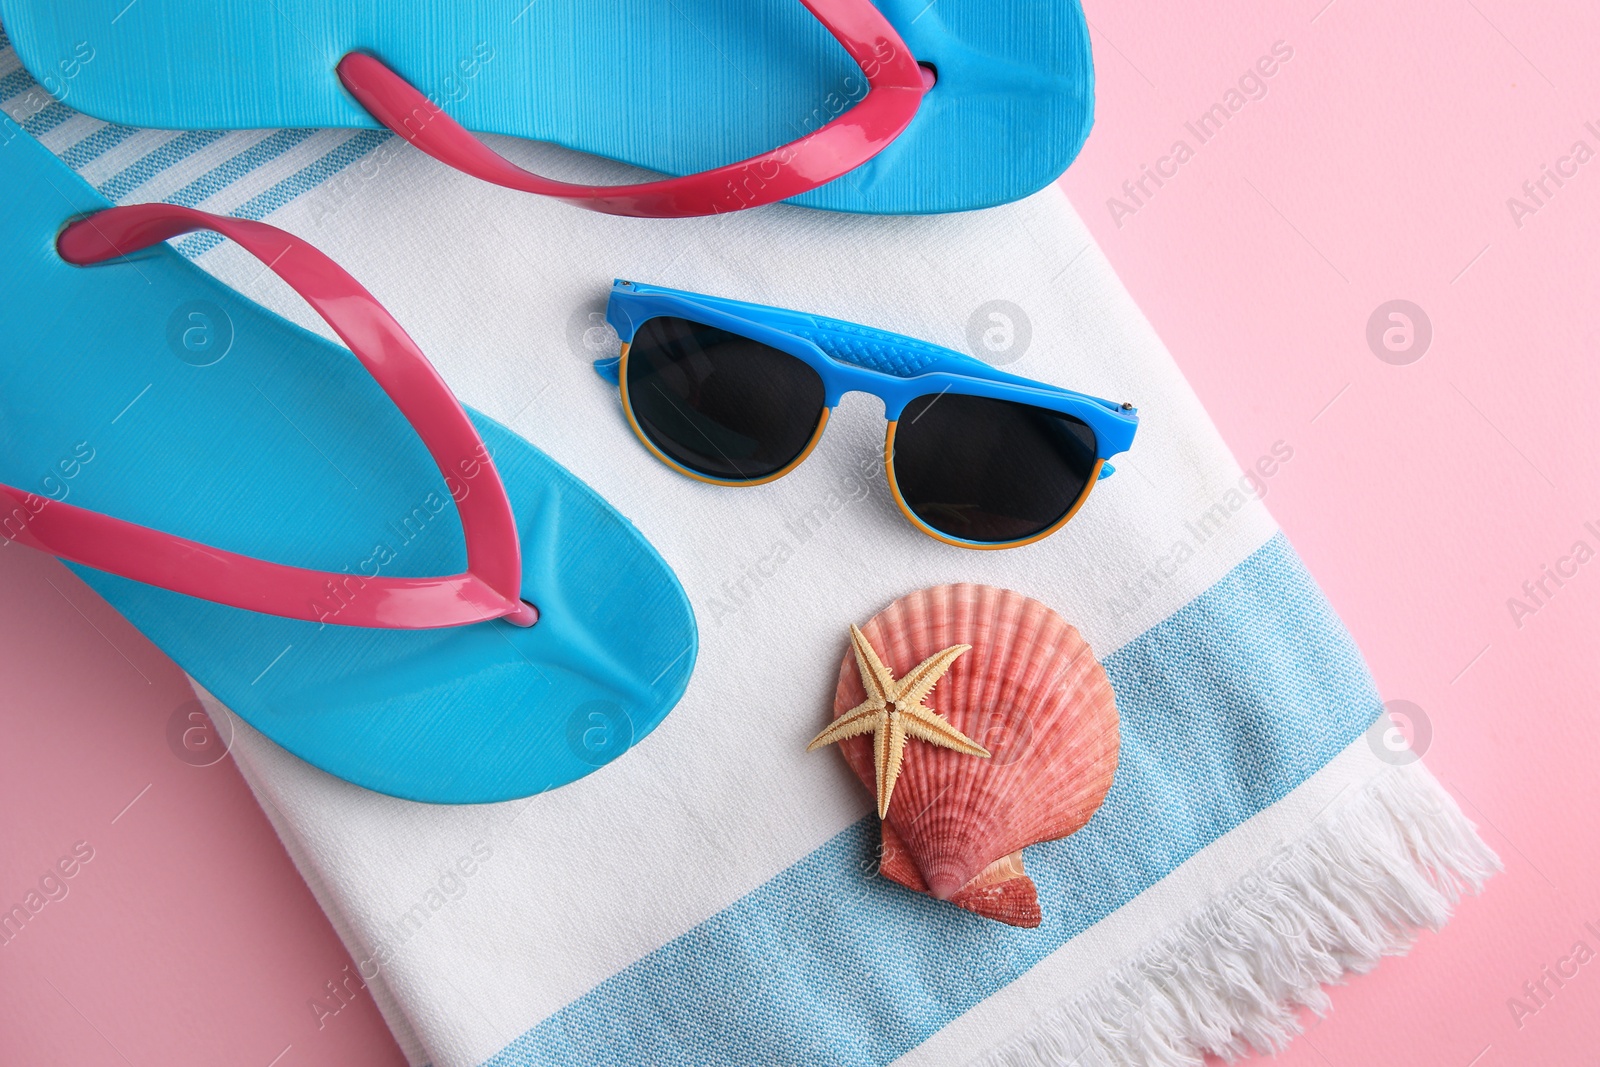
[1377, 166]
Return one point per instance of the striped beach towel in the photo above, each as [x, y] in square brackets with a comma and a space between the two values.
[709, 895]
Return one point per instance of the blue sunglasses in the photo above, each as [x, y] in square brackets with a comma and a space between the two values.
[738, 394]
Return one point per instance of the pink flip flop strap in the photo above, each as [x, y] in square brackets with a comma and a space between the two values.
[490, 586]
[895, 89]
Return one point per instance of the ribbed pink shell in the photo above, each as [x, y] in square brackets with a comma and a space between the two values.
[1032, 693]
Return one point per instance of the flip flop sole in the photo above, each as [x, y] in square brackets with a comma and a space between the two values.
[672, 87]
[147, 390]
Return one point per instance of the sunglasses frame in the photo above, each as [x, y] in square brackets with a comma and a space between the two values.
[852, 358]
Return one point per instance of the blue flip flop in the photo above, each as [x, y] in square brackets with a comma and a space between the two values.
[908, 106]
[156, 424]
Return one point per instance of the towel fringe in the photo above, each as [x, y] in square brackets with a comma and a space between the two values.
[1378, 866]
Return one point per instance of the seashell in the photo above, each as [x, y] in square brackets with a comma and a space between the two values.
[1032, 693]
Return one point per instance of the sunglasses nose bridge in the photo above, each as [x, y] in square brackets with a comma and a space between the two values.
[892, 392]
[885, 395]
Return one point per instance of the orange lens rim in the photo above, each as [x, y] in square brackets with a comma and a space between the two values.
[905, 509]
[627, 409]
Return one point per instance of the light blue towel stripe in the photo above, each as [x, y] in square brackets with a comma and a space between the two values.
[308, 177]
[219, 178]
[1226, 706]
[18, 81]
[179, 151]
[96, 145]
[47, 118]
[163, 158]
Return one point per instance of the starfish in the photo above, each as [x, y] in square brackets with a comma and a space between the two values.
[895, 708]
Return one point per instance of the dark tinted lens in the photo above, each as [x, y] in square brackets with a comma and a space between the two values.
[989, 470]
[720, 404]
